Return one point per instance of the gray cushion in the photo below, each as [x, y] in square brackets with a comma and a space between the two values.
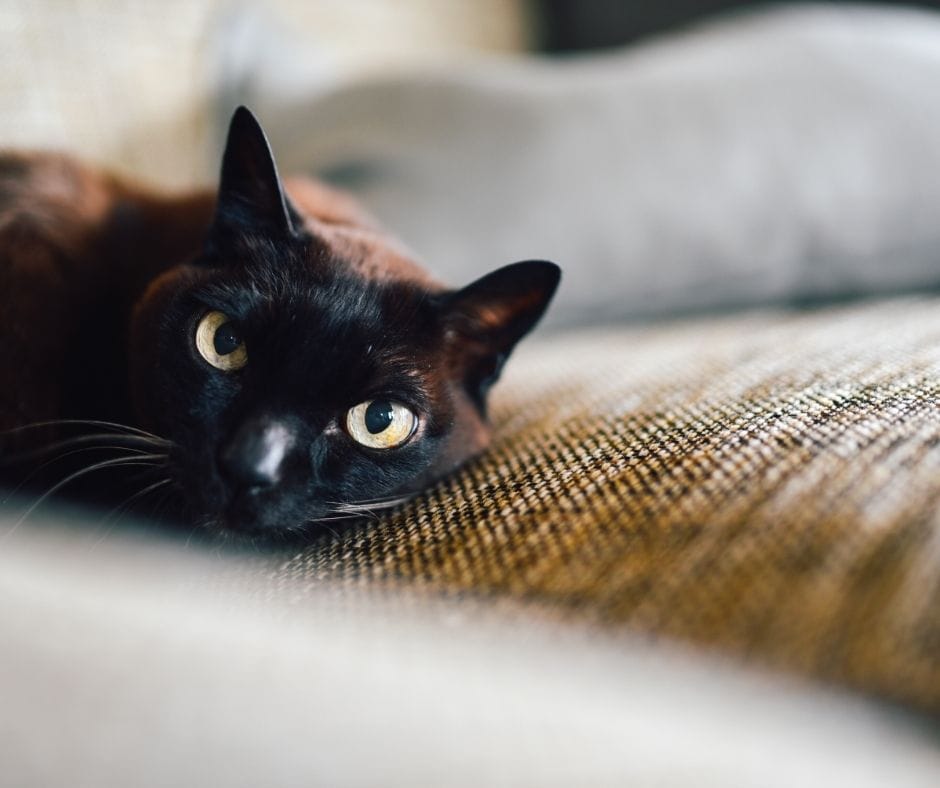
[778, 156]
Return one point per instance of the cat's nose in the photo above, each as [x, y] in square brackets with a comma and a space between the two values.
[254, 457]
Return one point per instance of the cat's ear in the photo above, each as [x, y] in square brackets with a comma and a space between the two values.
[251, 198]
[484, 320]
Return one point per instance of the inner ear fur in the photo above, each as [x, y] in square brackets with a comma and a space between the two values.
[484, 320]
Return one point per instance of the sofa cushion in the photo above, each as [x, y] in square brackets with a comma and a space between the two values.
[766, 484]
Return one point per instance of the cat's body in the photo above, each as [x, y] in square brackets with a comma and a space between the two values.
[77, 250]
[116, 304]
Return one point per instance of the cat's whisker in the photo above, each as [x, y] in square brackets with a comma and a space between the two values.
[354, 511]
[135, 443]
[145, 459]
[371, 501]
[122, 507]
[142, 440]
[332, 518]
[192, 533]
[370, 508]
[81, 422]
[323, 521]
[134, 454]
[359, 513]
[139, 494]
[158, 508]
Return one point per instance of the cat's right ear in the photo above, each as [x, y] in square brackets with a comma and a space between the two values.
[251, 197]
[484, 321]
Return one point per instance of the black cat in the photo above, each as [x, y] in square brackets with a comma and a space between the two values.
[274, 355]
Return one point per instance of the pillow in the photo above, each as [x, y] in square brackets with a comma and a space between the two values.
[788, 155]
[123, 84]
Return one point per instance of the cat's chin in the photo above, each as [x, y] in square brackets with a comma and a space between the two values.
[252, 531]
[257, 521]
[261, 523]
[252, 515]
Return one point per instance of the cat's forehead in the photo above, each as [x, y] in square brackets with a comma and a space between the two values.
[319, 292]
[366, 249]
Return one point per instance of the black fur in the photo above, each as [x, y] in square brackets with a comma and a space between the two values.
[321, 337]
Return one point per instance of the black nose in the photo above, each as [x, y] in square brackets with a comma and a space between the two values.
[254, 457]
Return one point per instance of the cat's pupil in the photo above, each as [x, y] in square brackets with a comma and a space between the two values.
[226, 339]
[378, 416]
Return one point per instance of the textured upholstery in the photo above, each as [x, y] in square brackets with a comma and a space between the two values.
[767, 484]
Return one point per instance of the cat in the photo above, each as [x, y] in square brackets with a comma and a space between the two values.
[277, 358]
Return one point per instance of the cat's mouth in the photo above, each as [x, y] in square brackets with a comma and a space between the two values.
[281, 511]
[262, 514]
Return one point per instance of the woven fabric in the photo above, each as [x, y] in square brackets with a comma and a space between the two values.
[766, 484]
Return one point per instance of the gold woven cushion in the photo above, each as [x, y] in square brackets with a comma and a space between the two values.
[766, 484]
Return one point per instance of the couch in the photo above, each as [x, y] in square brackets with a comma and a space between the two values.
[704, 549]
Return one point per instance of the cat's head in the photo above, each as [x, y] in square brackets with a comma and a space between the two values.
[302, 367]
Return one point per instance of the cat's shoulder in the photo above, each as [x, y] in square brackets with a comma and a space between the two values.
[327, 204]
[45, 186]
[336, 218]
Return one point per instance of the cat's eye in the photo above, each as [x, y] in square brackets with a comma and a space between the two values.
[380, 423]
[220, 343]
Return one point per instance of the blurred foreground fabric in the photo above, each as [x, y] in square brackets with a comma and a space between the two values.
[132, 662]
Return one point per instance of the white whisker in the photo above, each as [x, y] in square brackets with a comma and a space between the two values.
[135, 454]
[372, 501]
[139, 494]
[144, 459]
[117, 510]
[136, 444]
[370, 508]
[332, 517]
[81, 422]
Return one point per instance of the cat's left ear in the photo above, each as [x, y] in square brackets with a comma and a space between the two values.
[251, 197]
[484, 321]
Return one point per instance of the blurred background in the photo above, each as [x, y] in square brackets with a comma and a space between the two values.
[675, 157]
[132, 84]
[690, 155]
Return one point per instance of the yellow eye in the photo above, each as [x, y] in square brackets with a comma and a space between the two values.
[219, 342]
[380, 423]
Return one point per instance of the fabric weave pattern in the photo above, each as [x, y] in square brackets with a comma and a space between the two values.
[766, 484]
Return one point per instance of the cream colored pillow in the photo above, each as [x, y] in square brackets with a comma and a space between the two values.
[133, 84]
